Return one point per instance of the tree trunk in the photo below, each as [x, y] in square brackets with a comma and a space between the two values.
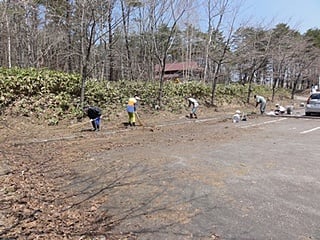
[83, 68]
[69, 34]
[206, 66]
[125, 21]
[9, 41]
[86, 52]
[111, 59]
[214, 83]
[250, 87]
[295, 84]
[275, 81]
[160, 93]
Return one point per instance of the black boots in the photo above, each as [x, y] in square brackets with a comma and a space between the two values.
[193, 114]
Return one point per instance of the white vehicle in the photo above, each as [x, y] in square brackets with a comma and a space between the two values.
[313, 104]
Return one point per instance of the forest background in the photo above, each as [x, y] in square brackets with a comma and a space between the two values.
[59, 55]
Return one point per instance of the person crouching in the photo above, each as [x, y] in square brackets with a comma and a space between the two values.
[193, 103]
[94, 113]
[279, 109]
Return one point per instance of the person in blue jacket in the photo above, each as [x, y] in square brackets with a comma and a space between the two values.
[131, 110]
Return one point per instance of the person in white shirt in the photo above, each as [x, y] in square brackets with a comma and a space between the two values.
[279, 109]
[262, 101]
[236, 117]
[193, 103]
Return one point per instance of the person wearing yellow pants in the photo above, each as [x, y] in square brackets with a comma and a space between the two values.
[131, 109]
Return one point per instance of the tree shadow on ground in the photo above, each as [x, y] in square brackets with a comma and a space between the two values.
[59, 191]
[138, 204]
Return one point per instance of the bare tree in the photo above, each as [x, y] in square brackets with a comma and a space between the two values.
[292, 58]
[253, 54]
[19, 26]
[280, 55]
[222, 15]
[165, 15]
[126, 8]
[5, 17]
[91, 31]
[302, 58]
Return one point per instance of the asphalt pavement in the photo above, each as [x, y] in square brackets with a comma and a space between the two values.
[261, 183]
[272, 188]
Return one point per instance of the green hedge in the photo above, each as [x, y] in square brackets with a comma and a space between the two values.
[52, 96]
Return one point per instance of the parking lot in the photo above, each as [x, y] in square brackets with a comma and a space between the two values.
[258, 179]
[184, 179]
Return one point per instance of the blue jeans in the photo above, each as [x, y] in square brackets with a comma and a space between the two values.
[96, 123]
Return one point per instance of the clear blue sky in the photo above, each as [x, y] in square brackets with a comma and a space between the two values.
[300, 15]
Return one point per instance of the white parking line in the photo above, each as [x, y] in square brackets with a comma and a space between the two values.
[310, 130]
[188, 121]
[263, 123]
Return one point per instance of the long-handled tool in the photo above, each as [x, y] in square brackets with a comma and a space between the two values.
[78, 124]
[151, 128]
[138, 118]
[82, 123]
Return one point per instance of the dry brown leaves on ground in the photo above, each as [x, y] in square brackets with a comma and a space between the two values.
[32, 203]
